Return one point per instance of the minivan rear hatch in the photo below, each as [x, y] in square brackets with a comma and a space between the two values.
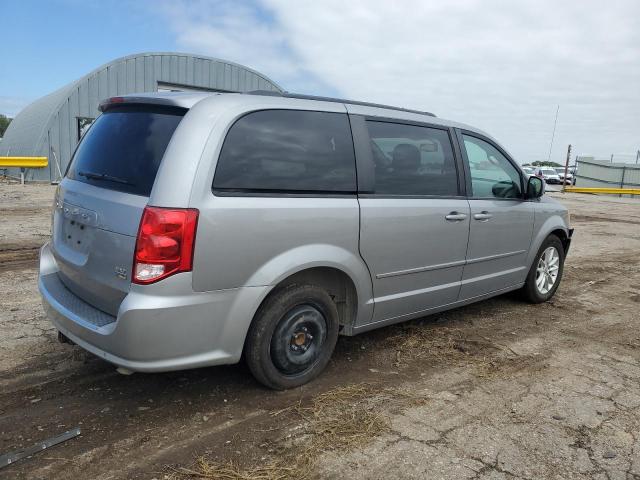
[100, 202]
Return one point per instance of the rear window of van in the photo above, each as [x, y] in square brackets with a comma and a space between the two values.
[124, 147]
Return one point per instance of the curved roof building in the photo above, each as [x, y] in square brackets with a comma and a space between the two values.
[52, 125]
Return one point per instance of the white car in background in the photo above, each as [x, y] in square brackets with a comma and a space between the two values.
[569, 180]
[549, 175]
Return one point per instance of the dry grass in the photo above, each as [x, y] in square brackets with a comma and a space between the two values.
[419, 341]
[276, 470]
[416, 341]
[343, 418]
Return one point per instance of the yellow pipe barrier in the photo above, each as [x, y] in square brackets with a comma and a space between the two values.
[614, 191]
[23, 162]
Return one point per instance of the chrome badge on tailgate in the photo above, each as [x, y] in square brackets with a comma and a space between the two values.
[79, 214]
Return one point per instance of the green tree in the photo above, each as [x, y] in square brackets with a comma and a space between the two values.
[4, 123]
[544, 163]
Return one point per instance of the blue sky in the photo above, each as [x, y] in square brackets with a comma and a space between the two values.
[56, 41]
[50, 43]
[500, 65]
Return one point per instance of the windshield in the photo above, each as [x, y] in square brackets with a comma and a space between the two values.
[123, 148]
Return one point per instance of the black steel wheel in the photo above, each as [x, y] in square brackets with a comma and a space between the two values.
[298, 339]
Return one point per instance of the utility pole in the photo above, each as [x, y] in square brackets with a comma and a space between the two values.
[566, 169]
[553, 135]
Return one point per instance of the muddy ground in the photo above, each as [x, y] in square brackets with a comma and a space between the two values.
[496, 390]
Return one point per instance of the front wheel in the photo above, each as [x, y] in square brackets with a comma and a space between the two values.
[292, 336]
[546, 271]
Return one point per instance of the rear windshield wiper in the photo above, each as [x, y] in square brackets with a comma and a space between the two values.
[104, 176]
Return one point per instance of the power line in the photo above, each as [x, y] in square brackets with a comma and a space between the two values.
[553, 135]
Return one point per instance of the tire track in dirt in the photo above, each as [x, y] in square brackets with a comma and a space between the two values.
[24, 212]
[18, 257]
[595, 218]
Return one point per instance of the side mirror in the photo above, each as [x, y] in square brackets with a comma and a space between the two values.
[535, 187]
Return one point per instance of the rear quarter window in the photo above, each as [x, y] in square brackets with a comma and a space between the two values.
[287, 151]
[124, 147]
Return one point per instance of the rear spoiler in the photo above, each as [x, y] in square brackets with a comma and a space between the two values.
[179, 100]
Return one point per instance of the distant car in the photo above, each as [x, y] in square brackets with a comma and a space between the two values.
[529, 171]
[549, 175]
[569, 180]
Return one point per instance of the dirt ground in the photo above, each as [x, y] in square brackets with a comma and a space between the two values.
[496, 390]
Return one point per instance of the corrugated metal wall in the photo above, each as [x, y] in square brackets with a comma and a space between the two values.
[593, 173]
[49, 126]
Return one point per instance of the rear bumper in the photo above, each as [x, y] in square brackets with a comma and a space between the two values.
[160, 327]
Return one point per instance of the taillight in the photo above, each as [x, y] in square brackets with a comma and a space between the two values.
[165, 243]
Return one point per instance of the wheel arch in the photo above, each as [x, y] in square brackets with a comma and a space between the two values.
[563, 236]
[554, 225]
[336, 282]
[325, 264]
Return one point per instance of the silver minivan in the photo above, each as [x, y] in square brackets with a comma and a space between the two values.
[194, 229]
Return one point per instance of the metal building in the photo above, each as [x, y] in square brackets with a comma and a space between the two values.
[51, 126]
[604, 174]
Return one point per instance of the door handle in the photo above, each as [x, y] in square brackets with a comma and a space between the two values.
[482, 216]
[455, 217]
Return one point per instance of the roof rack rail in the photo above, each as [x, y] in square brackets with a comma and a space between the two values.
[271, 93]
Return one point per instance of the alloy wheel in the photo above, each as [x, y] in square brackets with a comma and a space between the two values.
[547, 270]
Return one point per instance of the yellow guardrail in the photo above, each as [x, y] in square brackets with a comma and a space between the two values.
[614, 191]
[23, 162]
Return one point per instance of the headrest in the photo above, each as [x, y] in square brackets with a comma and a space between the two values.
[406, 157]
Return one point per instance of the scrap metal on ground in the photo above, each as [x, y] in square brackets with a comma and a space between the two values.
[12, 457]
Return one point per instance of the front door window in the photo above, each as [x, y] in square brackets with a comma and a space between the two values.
[492, 175]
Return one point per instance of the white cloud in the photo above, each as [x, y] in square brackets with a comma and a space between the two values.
[500, 65]
[241, 33]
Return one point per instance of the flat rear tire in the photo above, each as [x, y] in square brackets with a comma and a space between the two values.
[292, 336]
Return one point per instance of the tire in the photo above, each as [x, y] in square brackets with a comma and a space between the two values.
[532, 291]
[292, 336]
